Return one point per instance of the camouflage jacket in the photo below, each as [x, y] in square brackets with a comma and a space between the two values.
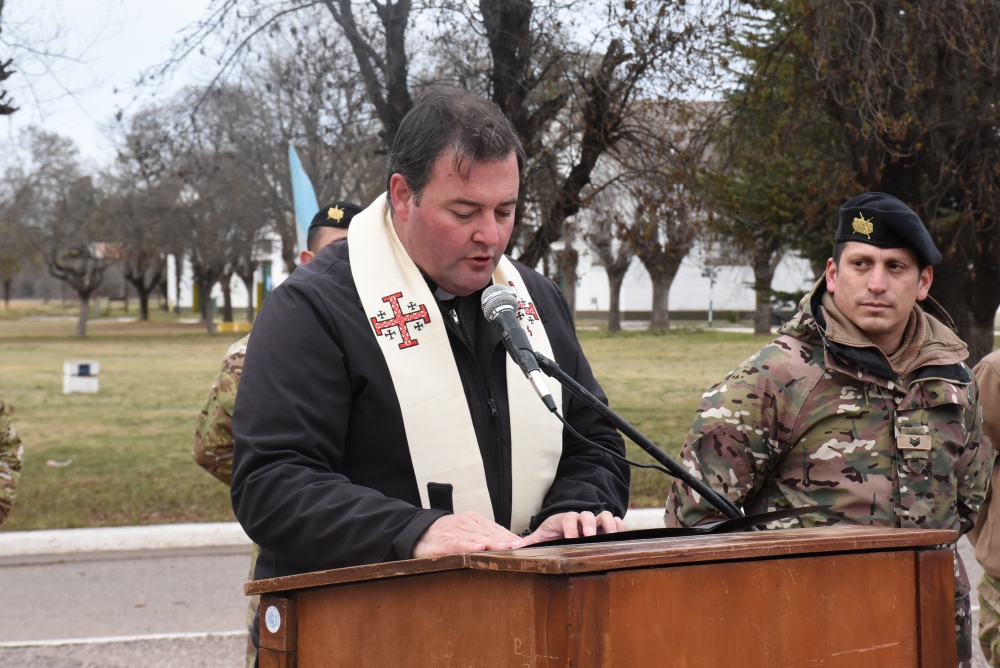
[213, 437]
[11, 453]
[986, 534]
[806, 421]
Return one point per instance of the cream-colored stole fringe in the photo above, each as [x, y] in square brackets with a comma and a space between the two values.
[412, 336]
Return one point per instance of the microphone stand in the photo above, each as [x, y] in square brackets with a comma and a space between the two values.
[721, 503]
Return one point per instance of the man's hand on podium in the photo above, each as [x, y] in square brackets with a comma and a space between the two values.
[464, 532]
[574, 525]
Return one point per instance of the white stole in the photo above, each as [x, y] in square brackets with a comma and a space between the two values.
[412, 336]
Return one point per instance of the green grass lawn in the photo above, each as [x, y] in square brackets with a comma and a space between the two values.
[130, 444]
[656, 381]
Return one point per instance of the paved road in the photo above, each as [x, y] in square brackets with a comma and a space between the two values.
[107, 595]
[153, 608]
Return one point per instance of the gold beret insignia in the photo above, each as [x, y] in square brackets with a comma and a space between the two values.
[335, 213]
[862, 226]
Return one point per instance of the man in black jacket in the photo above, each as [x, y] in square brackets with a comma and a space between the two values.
[378, 416]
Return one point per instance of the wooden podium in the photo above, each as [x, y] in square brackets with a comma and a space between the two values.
[834, 597]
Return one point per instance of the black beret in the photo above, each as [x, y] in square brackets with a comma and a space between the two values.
[882, 220]
[338, 214]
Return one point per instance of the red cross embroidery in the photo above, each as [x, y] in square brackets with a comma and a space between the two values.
[528, 309]
[525, 308]
[401, 320]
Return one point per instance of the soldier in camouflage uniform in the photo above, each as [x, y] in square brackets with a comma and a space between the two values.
[11, 453]
[987, 529]
[862, 403]
[213, 437]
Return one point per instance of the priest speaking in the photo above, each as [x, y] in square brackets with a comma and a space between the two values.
[379, 416]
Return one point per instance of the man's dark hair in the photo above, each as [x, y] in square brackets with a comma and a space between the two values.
[473, 128]
[312, 239]
[838, 250]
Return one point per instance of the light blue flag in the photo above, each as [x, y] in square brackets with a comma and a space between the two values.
[303, 195]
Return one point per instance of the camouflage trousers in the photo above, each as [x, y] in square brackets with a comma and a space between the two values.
[963, 631]
[252, 612]
[963, 613]
[989, 619]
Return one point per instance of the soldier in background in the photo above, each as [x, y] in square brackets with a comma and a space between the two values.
[862, 404]
[213, 437]
[11, 453]
[987, 529]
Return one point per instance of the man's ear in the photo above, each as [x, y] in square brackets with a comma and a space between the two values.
[401, 196]
[831, 275]
[925, 280]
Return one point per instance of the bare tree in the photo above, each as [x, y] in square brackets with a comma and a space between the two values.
[19, 241]
[543, 76]
[16, 251]
[310, 95]
[72, 256]
[665, 226]
[606, 236]
[141, 221]
[60, 205]
[74, 242]
[669, 215]
[209, 185]
[224, 209]
[307, 91]
[144, 201]
[545, 69]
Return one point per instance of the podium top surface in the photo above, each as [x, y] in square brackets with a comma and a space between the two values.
[591, 557]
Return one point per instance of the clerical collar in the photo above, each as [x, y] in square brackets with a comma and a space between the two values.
[441, 294]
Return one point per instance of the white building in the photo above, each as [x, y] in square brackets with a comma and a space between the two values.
[270, 272]
[691, 290]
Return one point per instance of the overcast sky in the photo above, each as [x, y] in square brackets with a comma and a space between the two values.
[109, 42]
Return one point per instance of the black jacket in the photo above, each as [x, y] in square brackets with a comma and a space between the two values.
[322, 476]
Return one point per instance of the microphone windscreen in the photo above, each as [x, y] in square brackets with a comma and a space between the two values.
[496, 296]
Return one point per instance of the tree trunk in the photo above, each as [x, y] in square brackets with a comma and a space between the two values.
[6, 293]
[764, 259]
[762, 277]
[163, 288]
[660, 319]
[615, 280]
[81, 322]
[142, 292]
[143, 296]
[568, 260]
[248, 283]
[662, 267]
[207, 305]
[227, 298]
[598, 133]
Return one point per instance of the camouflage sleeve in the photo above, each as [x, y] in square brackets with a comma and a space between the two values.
[213, 436]
[988, 380]
[975, 466]
[985, 535]
[11, 453]
[733, 442]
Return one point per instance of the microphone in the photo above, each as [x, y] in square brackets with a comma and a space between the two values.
[500, 307]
